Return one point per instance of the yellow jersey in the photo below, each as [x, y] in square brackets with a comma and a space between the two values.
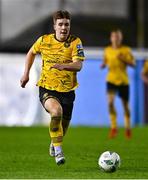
[117, 73]
[145, 67]
[53, 51]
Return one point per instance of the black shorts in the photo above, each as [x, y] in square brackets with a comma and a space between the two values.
[66, 100]
[121, 90]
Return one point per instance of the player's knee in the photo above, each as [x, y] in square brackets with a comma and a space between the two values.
[56, 112]
[111, 105]
[126, 108]
[110, 101]
[127, 112]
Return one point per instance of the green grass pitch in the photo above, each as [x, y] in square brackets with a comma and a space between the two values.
[24, 153]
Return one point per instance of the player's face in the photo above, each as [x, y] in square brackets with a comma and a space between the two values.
[116, 38]
[62, 29]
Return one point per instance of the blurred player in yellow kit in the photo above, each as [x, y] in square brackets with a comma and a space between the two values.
[144, 76]
[116, 58]
[62, 56]
[145, 72]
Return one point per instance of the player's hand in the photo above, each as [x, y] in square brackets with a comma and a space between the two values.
[58, 66]
[146, 81]
[145, 78]
[121, 57]
[102, 66]
[24, 80]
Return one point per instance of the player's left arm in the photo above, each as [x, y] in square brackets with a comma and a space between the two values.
[76, 59]
[127, 58]
[144, 77]
[75, 66]
[144, 73]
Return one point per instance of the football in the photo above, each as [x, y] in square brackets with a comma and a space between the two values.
[109, 161]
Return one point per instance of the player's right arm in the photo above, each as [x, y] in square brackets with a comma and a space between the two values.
[103, 65]
[35, 49]
[28, 64]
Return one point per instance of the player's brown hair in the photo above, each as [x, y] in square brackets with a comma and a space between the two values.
[116, 31]
[61, 15]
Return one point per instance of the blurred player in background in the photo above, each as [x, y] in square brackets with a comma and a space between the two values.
[144, 76]
[144, 73]
[116, 58]
[62, 56]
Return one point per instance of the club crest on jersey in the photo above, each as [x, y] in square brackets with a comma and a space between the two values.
[66, 44]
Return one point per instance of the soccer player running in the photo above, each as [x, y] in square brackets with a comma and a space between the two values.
[144, 73]
[116, 58]
[62, 56]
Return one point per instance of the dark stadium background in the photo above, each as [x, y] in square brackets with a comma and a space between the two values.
[97, 28]
[87, 23]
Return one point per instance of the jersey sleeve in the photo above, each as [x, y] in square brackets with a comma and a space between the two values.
[36, 45]
[77, 51]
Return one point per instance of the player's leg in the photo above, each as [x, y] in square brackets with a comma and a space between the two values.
[67, 113]
[55, 110]
[55, 128]
[111, 92]
[51, 103]
[127, 118]
[124, 94]
[65, 125]
[112, 114]
[67, 106]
